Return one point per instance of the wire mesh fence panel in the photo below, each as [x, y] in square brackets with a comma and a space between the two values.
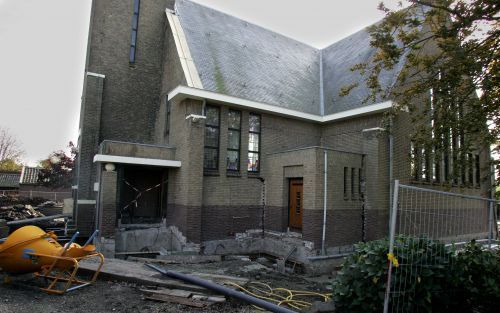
[427, 226]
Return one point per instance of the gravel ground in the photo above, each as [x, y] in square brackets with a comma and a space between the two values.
[23, 295]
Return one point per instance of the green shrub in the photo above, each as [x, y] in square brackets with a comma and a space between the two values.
[360, 284]
[476, 280]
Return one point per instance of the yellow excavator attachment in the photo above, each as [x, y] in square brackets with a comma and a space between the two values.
[31, 250]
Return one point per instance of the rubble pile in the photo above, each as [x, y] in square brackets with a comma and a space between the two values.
[18, 212]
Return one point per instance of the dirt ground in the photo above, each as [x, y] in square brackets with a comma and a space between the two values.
[23, 295]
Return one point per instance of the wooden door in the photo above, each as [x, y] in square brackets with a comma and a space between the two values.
[296, 203]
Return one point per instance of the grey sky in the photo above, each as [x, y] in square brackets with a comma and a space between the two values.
[44, 44]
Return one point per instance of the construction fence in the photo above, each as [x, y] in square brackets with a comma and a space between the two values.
[418, 214]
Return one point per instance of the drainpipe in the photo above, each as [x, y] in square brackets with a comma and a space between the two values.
[325, 176]
[263, 195]
[391, 173]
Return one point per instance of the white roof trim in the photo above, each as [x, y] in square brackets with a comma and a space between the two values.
[183, 92]
[187, 63]
[136, 161]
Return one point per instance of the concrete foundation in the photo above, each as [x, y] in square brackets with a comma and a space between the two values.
[135, 238]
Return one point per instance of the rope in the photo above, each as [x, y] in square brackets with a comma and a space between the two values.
[281, 296]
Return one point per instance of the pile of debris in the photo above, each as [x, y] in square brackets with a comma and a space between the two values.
[18, 212]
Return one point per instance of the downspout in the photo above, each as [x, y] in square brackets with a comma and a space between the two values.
[391, 172]
[325, 176]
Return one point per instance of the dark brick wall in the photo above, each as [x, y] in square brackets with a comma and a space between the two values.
[107, 204]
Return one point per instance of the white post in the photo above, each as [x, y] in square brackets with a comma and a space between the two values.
[490, 224]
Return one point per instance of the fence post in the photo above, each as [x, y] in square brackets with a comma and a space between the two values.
[391, 242]
[490, 223]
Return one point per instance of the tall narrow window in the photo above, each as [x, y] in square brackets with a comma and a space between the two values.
[359, 181]
[353, 181]
[167, 119]
[254, 128]
[211, 155]
[470, 169]
[414, 161]
[478, 170]
[233, 140]
[135, 25]
[346, 172]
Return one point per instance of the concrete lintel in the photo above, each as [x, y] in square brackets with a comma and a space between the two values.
[85, 201]
[104, 158]
[96, 75]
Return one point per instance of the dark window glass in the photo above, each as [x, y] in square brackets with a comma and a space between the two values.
[359, 181]
[211, 155]
[233, 160]
[254, 143]
[478, 170]
[233, 140]
[254, 123]
[167, 119]
[211, 137]
[212, 114]
[470, 168]
[346, 170]
[353, 181]
[133, 36]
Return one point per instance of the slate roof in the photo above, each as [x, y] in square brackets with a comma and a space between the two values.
[9, 179]
[237, 58]
[29, 175]
[244, 60]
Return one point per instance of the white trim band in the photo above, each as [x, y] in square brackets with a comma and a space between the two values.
[137, 161]
[96, 75]
[183, 92]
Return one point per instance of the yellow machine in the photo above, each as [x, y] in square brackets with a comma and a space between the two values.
[31, 250]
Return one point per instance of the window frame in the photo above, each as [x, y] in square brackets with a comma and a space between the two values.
[205, 146]
[229, 129]
[259, 133]
[134, 32]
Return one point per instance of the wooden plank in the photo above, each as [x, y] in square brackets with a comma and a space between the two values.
[179, 300]
[169, 292]
[209, 298]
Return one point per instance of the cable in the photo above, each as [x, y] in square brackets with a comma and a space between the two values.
[281, 296]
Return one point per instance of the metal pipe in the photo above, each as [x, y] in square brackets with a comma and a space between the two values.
[37, 219]
[391, 243]
[222, 290]
[66, 246]
[325, 176]
[490, 224]
[91, 238]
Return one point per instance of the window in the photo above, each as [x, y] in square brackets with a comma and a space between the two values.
[470, 169]
[359, 182]
[353, 181]
[478, 170]
[254, 143]
[346, 172]
[233, 140]
[167, 119]
[135, 25]
[211, 154]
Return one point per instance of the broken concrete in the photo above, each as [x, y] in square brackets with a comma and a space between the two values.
[159, 237]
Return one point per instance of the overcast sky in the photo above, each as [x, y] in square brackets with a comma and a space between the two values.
[43, 45]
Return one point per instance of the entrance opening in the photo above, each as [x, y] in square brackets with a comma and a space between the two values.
[295, 204]
[142, 195]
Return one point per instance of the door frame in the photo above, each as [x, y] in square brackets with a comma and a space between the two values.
[289, 184]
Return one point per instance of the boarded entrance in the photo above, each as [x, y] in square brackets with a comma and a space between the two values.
[296, 203]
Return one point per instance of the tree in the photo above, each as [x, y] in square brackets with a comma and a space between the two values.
[57, 169]
[10, 151]
[451, 53]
